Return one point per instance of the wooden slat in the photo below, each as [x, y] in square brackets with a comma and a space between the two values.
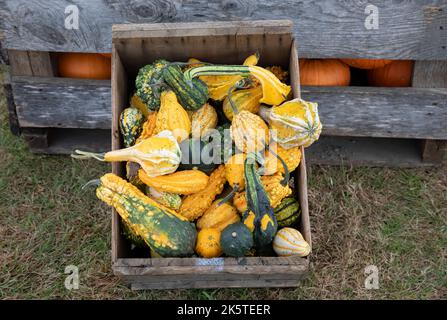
[20, 63]
[381, 112]
[413, 29]
[41, 64]
[62, 102]
[430, 74]
[374, 152]
[65, 141]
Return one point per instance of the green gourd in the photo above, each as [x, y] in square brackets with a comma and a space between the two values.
[131, 123]
[288, 212]
[236, 240]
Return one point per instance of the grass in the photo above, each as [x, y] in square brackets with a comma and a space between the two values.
[393, 218]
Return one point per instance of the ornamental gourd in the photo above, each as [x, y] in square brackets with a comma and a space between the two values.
[195, 205]
[208, 243]
[234, 171]
[163, 230]
[130, 123]
[169, 200]
[245, 99]
[171, 116]
[135, 240]
[157, 155]
[197, 155]
[290, 242]
[218, 216]
[203, 120]
[136, 102]
[148, 127]
[288, 212]
[236, 240]
[149, 83]
[180, 182]
[258, 202]
[324, 72]
[291, 157]
[273, 185]
[295, 123]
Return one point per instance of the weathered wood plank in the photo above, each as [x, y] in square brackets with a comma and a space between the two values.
[41, 64]
[36, 138]
[62, 103]
[373, 152]
[65, 141]
[20, 63]
[430, 74]
[412, 29]
[417, 113]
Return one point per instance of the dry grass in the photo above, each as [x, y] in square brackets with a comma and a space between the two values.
[394, 219]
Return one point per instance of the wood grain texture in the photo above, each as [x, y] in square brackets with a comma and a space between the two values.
[430, 74]
[62, 102]
[412, 29]
[372, 152]
[418, 113]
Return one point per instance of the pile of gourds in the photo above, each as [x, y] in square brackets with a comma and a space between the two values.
[208, 151]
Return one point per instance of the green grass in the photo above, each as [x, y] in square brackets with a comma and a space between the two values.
[393, 218]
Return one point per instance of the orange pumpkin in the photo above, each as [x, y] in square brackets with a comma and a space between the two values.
[107, 55]
[84, 65]
[366, 63]
[396, 74]
[324, 72]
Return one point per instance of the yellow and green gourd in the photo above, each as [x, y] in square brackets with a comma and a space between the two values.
[162, 229]
[288, 212]
[131, 123]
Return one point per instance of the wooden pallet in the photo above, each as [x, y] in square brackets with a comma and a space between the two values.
[39, 101]
[137, 45]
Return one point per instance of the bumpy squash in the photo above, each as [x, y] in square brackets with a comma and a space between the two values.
[136, 102]
[276, 191]
[208, 243]
[249, 132]
[180, 182]
[246, 99]
[157, 155]
[288, 212]
[218, 216]
[234, 171]
[169, 200]
[149, 83]
[163, 230]
[295, 123]
[258, 202]
[195, 205]
[290, 242]
[171, 116]
[236, 240]
[203, 120]
[191, 94]
[130, 123]
[134, 239]
[291, 157]
[148, 127]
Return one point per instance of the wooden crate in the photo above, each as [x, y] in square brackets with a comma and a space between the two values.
[229, 43]
[413, 118]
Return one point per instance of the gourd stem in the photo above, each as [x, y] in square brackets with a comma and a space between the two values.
[284, 165]
[87, 155]
[229, 196]
[241, 84]
[94, 182]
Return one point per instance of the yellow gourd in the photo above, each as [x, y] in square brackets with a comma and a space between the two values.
[203, 120]
[234, 171]
[246, 99]
[249, 132]
[218, 216]
[180, 182]
[136, 102]
[194, 205]
[148, 127]
[275, 191]
[171, 116]
[274, 91]
[292, 158]
[157, 155]
[208, 243]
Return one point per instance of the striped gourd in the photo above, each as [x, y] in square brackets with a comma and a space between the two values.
[290, 242]
[191, 94]
[203, 120]
[295, 123]
[131, 123]
[287, 212]
[245, 99]
[163, 230]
